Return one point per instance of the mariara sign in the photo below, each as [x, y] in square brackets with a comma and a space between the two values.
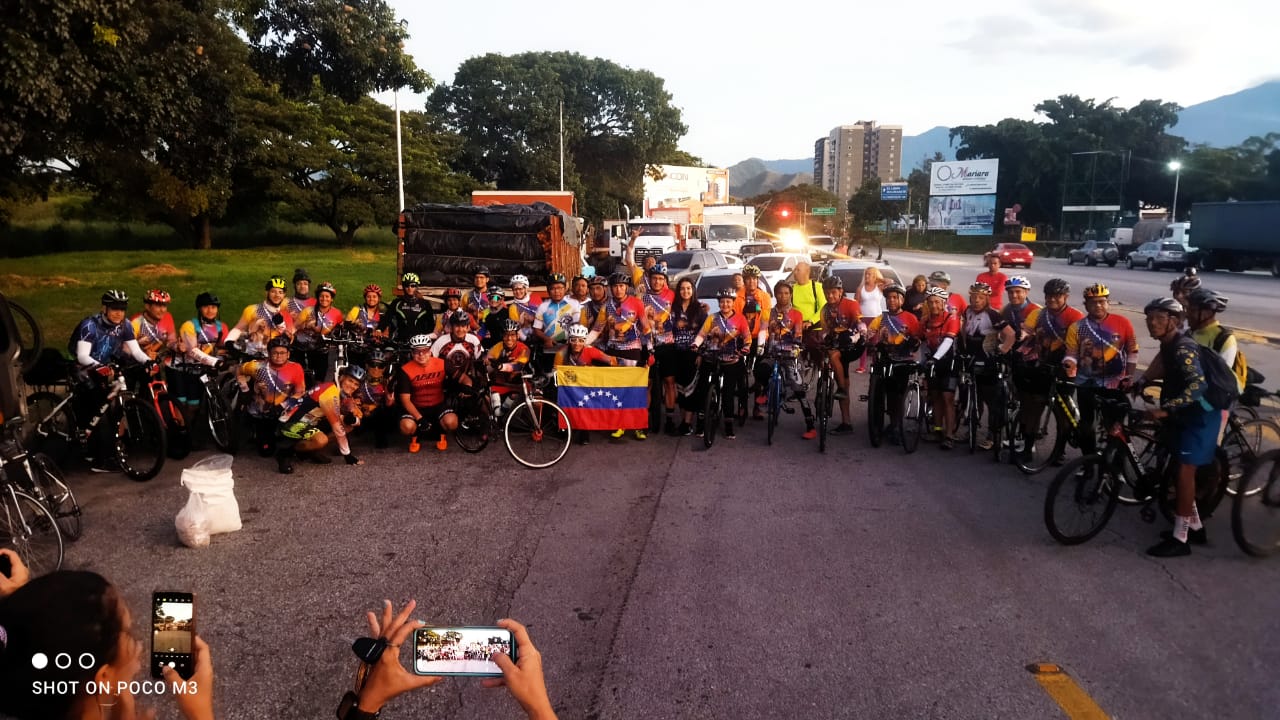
[965, 177]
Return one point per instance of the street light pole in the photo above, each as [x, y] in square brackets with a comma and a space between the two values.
[1176, 167]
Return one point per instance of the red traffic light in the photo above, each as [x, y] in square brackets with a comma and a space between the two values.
[784, 212]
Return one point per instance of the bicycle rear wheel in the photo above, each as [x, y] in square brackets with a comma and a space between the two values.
[775, 402]
[823, 401]
[1080, 500]
[218, 415]
[875, 411]
[58, 498]
[27, 528]
[913, 416]
[1047, 444]
[140, 438]
[711, 413]
[537, 433]
[1244, 443]
[1255, 512]
[475, 424]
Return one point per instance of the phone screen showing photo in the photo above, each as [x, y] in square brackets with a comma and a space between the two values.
[173, 629]
[460, 650]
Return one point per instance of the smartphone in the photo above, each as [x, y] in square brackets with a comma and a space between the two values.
[173, 632]
[460, 651]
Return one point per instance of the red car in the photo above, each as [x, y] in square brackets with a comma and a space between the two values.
[1012, 254]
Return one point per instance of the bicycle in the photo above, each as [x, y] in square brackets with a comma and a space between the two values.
[883, 368]
[1006, 430]
[968, 405]
[1058, 419]
[536, 431]
[29, 529]
[140, 439]
[773, 389]
[824, 397]
[213, 405]
[151, 386]
[475, 415]
[916, 408]
[1090, 487]
[713, 404]
[38, 476]
[1255, 511]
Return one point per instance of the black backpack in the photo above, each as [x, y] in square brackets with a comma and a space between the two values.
[1221, 390]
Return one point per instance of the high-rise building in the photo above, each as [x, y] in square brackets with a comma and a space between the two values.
[852, 154]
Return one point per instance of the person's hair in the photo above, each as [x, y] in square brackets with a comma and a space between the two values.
[920, 279]
[872, 273]
[72, 612]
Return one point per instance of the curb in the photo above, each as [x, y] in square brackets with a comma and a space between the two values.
[1254, 337]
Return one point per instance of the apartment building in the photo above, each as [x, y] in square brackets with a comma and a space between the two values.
[852, 154]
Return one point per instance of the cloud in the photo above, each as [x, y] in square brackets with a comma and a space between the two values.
[1081, 33]
[1163, 56]
[1076, 14]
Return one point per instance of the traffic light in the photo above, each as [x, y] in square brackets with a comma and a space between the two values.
[784, 213]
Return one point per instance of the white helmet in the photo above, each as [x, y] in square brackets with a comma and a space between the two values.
[519, 280]
[578, 331]
[419, 341]
[937, 292]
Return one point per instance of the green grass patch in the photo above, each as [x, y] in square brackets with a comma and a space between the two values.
[62, 289]
[50, 234]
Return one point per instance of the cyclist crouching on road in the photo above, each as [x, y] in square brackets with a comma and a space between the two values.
[375, 398]
[729, 335]
[842, 319]
[420, 392]
[1194, 420]
[274, 381]
[300, 430]
[941, 325]
[899, 329]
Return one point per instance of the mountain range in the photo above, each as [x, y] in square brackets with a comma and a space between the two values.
[1220, 122]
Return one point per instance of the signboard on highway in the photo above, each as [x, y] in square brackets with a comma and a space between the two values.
[893, 191]
[823, 211]
[964, 214]
[966, 177]
[1028, 234]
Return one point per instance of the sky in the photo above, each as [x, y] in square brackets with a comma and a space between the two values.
[767, 79]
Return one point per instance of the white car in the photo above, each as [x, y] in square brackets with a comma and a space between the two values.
[709, 283]
[734, 261]
[775, 267]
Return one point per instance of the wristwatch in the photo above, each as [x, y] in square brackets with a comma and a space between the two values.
[347, 709]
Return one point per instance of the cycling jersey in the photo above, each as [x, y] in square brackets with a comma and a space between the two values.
[622, 321]
[1102, 348]
[302, 416]
[729, 335]
[588, 356]
[508, 364]
[272, 385]
[198, 339]
[785, 325]
[154, 337]
[1049, 333]
[956, 302]
[897, 329]
[365, 316]
[977, 324]
[939, 328]
[445, 346]
[407, 316]
[422, 382]
[762, 297]
[996, 280]
[295, 305]
[323, 320]
[1184, 379]
[554, 318]
[809, 298]
[442, 324]
[523, 311]
[657, 307]
[105, 340]
[475, 301]
[841, 317]
[687, 321]
[266, 315]
[372, 395]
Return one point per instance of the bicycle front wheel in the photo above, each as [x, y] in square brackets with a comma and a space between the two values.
[218, 414]
[1244, 443]
[140, 438]
[475, 423]
[972, 421]
[537, 433]
[875, 411]
[775, 403]
[913, 417]
[1046, 444]
[823, 400]
[30, 530]
[1080, 500]
[58, 498]
[712, 413]
[1255, 512]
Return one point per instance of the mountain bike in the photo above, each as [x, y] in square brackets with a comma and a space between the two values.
[824, 397]
[713, 404]
[151, 386]
[38, 476]
[214, 406]
[1057, 421]
[536, 430]
[1255, 510]
[139, 445]
[773, 389]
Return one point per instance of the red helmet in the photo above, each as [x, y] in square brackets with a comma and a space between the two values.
[372, 288]
[155, 295]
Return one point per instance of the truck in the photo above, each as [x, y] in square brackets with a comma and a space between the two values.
[1237, 236]
[729, 227]
[560, 199]
[658, 235]
[445, 244]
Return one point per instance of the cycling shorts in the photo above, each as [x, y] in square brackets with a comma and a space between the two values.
[666, 357]
[430, 416]
[1198, 436]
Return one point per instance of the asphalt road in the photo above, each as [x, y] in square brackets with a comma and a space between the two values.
[663, 581]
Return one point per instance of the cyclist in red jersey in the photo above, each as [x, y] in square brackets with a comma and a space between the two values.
[994, 278]
[730, 338]
[940, 279]
[420, 385]
[300, 424]
[941, 326]
[785, 334]
[842, 323]
[507, 362]
[900, 330]
[153, 327]
[274, 381]
[322, 316]
[1102, 356]
[658, 303]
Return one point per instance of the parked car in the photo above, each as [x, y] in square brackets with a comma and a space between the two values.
[776, 266]
[1013, 254]
[682, 262]
[1158, 254]
[1093, 252]
[825, 243]
[709, 283]
[850, 272]
[755, 248]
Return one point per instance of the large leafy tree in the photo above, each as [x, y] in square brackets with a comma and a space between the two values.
[507, 111]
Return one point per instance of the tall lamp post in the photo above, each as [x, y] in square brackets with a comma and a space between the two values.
[1176, 167]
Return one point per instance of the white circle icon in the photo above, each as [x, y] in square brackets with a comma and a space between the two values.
[173, 664]
[39, 661]
[86, 661]
[62, 661]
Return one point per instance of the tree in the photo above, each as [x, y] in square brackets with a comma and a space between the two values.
[507, 108]
[796, 199]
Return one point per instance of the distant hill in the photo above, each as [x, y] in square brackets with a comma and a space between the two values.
[916, 148]
[754, 176]
[1232, 119]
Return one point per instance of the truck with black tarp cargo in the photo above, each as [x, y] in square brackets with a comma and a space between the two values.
[1237, 236]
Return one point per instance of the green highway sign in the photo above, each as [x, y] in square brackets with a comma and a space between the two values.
[823, 211]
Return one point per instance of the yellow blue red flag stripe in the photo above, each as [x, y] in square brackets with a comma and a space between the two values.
[604, 398]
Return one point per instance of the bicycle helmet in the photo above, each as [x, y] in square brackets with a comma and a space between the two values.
[980, 287]
[207, 298]
[619, 278]
[750, 271]
[832, 282]
[578, 331]
[1208, 299]
[1057, 286]
[895, 288]
[353, 371]
[597, 280]
[329, 288]
[409, 279]
[419, 341]
[459, 318]
[939, 276]
[372, 288]
[301, 274]
[659, 269]
[1096, 290]
[510, 326]
[453, 293]
[279, 341]
[482, 270]
[156, 295]
[275, 283]
[727, 293]
[938, 292]
[379, 357]
[555, 278]
[1188, 282]
[494, 293]
[518, 280]
[1164, 304]
[115, 297]
[1018, 281]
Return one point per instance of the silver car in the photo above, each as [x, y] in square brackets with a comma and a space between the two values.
[1158, 254]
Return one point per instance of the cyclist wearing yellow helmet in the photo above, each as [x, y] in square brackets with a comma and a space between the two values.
[751, 289]
[408, 315]
[266, 320]
[1102, 356]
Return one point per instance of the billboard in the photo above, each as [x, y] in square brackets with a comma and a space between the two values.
[965, 177]
[965, 214]
[893, 191]
[676, 186]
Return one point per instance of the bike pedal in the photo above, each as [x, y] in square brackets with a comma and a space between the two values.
[788, 410]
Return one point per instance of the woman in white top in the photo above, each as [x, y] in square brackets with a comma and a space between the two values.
[871, 299]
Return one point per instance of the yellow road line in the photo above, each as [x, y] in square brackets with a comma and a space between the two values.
[1074, 701]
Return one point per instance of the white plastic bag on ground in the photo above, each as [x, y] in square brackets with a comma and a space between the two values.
[193, 522]
[211, 480]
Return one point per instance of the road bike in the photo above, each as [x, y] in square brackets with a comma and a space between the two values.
[968, 405]
[1006, 430]
[1255, 507]
[917, 411]
[713, 404]
[136, 434]
[536, 430]
[1083, 496]
[38, 476]
[213, 404]
[824, 397]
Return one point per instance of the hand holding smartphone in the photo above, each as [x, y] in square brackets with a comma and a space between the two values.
[173, 630]
[460, 651]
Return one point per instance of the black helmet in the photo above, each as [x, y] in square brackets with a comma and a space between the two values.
[207, 298]
[275, 282]
[1057, 286]
[301, 274]
[509, 326]
[832, 282]
[482, 270]
[353, 371]
[1208, 299]
[115, 297]
[727, 293]
[460, 318]
[620, 278]
[1166, 304]
[379, 356]
[279, 341]
[894, 287]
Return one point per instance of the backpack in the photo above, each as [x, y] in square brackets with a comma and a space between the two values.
[1221, 391]
[1240, 367]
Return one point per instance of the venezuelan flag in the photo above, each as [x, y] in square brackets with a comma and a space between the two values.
[604, 398]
